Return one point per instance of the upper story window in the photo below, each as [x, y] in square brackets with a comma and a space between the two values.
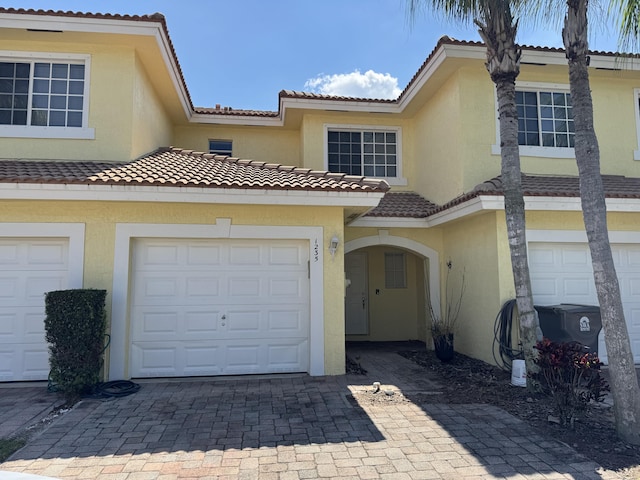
[545, 118]
[636, 95]
[545, 121]
[43, 96]
[220, 147]
[367, 151]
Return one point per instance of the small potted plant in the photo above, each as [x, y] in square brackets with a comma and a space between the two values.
[443, 323]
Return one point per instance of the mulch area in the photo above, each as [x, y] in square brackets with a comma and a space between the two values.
[465, 380]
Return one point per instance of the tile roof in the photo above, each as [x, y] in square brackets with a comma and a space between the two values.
[615, 186]
[412, 205]
[185, 168]
[403, 204]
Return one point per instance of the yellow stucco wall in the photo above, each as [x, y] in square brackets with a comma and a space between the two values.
[112, 75]
[152, 127]
[471, 246]
[100, 220]
[266, 144]
[126, 113]
[436, 152]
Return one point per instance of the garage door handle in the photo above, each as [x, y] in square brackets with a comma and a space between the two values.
[364, 299]
[224, 317]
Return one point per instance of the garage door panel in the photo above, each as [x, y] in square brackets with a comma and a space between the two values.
[36, 285]
[287, 322]
[283, 358]
[167, 288]
[154, 359]
[566, 268]
[246, 255]
[245, 286]
[243, 307]
[285, 255]
[29, 267]
[158, 323]
[20, 361]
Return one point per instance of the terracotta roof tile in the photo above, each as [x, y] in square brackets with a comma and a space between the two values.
[185, 168]
[408, 205]
[412, 205]
[318, 96]
[615, 186]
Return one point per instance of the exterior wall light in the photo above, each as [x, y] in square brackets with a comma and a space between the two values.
[333, 245]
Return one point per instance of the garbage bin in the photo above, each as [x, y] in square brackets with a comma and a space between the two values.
[571, 323]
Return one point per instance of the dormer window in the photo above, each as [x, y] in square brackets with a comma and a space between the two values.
[44, 96]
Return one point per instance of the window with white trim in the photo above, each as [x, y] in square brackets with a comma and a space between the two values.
[221, 147]
[395, 275]
[545, 118]
[545, 121]
[44, 95]
[371, 152]
[636, 97]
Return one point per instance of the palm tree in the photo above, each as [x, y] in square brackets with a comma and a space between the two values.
[624, 383]
[498, 31]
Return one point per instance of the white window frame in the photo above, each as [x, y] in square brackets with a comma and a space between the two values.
[636, 100]
[529, 150]
[29, 131]
[398, 180]
[395, 285]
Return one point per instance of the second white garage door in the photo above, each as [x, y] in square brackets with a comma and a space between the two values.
[29, 267]
[219, 307]
[562, 273]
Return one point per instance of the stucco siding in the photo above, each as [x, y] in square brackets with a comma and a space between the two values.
[101, 218]
[265, 144]
[151, 125]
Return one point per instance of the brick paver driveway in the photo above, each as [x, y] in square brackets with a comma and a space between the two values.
[296, 427]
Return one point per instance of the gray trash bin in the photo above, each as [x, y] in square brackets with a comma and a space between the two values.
[571, 323]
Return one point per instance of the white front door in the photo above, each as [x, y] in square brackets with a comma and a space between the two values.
[28, 269]
[356, 299]
[562, 273]
[217, 307]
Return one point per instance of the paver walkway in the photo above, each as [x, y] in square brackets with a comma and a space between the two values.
[296, 427]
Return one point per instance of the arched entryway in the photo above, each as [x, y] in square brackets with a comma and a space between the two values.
[389, 280]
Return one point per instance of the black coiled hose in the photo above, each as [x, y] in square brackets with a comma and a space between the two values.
[503, 337]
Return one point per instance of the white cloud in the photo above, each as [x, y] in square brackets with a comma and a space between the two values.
[355, 84]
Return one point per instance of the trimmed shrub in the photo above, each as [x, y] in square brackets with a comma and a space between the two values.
[75, 326]
[571, 376]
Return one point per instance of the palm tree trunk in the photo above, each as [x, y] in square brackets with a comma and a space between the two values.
[515, 217]
[503, 63]
[624, 383]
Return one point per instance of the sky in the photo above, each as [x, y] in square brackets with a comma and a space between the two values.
[241, 53]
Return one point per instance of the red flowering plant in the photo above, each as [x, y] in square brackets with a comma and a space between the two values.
[571, 375]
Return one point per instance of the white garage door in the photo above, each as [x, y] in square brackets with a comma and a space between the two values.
[28, 269]
[562, 273]
[217, 307]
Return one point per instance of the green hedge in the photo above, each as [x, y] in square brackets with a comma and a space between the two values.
[75, 326]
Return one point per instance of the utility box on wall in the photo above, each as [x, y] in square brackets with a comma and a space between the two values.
[571, 323]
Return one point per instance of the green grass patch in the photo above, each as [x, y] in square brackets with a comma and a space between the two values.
[8, 446]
